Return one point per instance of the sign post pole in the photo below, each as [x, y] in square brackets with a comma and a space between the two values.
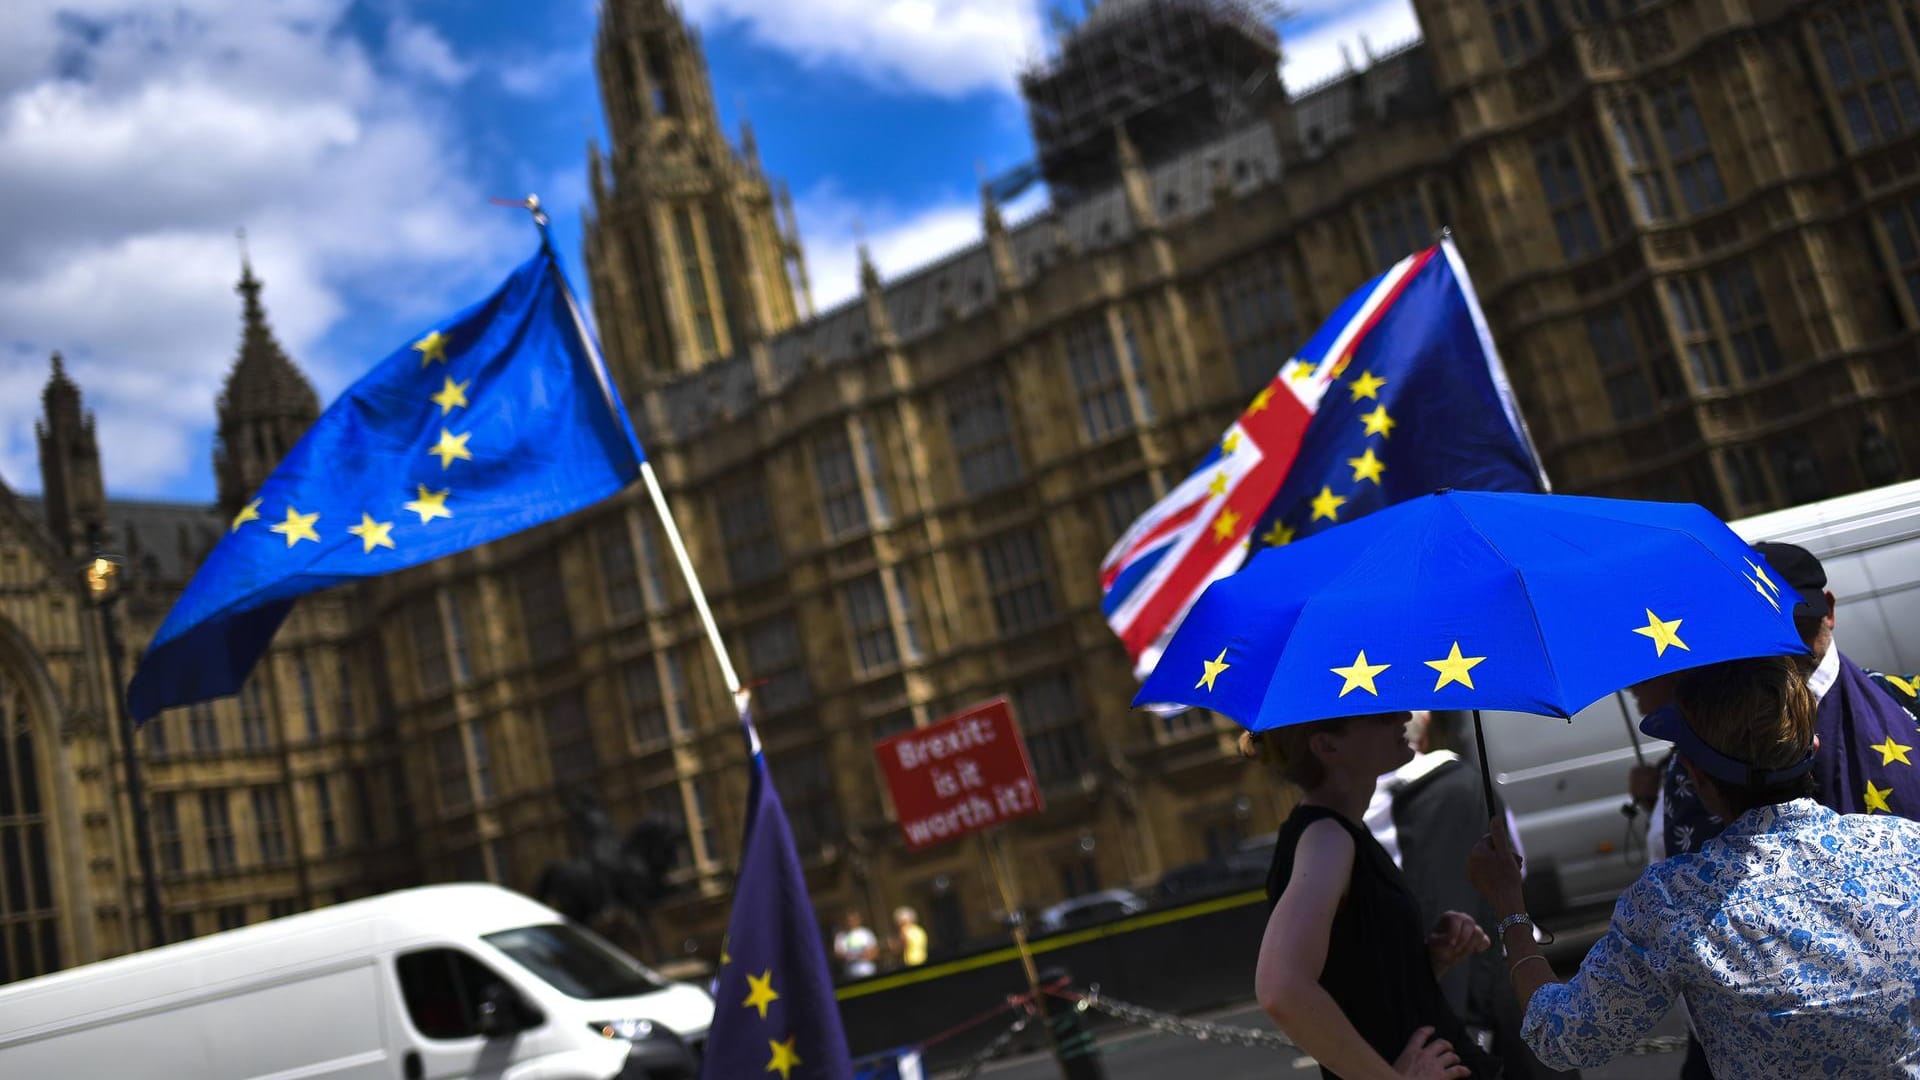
[969, 773]
[995, 855]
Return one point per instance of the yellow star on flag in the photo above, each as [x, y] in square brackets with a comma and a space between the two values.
[432, 347]
[784, 1059]
[1360, 675]
[452, 396]
[1367, 386]
[249, 512]
[1891, 752]
[430, 504]
[1260, 400]
[1367, 467]
[1454, 668]
[1219, 485]
[1327, 505]
[1663, 632]
[1379, 423]
[1877, 798]
[298, 527]
[1224, 525]
[1214, 667]
[372, 533]
[452, 448]
[760, 992]
[1301, 372]
[1278, 536]
[1231, 443]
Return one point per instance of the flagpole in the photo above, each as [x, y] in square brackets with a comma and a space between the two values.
[727, 672]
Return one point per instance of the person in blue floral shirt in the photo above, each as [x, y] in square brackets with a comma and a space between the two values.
[1793, 937]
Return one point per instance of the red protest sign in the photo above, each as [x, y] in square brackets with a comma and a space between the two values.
[966, 773]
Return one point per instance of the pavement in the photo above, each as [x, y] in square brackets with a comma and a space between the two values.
[1134, 1053]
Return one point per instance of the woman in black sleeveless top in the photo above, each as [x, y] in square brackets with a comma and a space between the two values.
[1346, 969]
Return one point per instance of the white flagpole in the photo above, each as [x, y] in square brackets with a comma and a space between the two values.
[646, 468]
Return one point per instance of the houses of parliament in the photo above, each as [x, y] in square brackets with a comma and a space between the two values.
[1694, 226]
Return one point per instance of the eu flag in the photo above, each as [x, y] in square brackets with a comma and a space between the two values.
[1413, 400]
[774, 1010]
[483, 425]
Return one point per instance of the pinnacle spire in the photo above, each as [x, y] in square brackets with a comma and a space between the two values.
[263, 380]
[61, 398]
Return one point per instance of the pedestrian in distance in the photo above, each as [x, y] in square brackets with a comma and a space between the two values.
[856, 947]
[1347, 968]
[909, 937]
[1427, 814]
[1790, 937]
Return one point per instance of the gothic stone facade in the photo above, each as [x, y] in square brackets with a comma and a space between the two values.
[1695, 227]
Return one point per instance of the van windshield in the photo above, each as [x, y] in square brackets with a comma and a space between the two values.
[578, 964]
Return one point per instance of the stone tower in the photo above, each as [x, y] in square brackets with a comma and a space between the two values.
[69, 463]
[686, 248]
[266, 406]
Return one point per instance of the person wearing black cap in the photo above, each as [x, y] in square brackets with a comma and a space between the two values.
[1867, 736]
[1790, 937]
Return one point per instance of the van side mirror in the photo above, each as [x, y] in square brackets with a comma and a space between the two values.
[498, 1012]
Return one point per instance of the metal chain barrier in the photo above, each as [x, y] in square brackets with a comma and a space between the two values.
[1170, 1024]
[995, 1048]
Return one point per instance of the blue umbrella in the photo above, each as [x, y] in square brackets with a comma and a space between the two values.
[1475, 600]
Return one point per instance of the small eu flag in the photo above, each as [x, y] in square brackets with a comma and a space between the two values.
[491, 422]
[774, 1010]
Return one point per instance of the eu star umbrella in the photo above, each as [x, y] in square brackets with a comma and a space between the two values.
[1475, 600]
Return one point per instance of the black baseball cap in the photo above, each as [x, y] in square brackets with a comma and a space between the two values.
[1803, 574]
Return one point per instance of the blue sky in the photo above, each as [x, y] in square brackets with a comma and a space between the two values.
[358, 140]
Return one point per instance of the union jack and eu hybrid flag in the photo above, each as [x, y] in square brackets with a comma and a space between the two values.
[1399, 394]
[483, 425]
[774, 1010]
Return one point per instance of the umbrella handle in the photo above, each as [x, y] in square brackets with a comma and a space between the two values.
[1627, 717]
[1486, 771]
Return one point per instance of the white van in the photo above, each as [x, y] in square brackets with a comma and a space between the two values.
[432, 983]
[1567, 783]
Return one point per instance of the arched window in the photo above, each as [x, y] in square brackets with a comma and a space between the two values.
[29, 917]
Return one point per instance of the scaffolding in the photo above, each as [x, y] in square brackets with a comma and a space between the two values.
[1174, 72]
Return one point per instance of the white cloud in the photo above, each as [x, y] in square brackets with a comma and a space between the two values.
[945, 47]
[899, 241]
[537, 76]
[418, 48]
[1313, 53]
[135, 135]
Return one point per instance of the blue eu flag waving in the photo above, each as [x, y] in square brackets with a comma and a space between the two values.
[486, 424]
[774, 1010]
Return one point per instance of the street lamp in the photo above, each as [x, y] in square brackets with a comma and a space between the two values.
[102, 572]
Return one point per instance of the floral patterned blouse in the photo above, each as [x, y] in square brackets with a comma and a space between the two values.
[1793, 938]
